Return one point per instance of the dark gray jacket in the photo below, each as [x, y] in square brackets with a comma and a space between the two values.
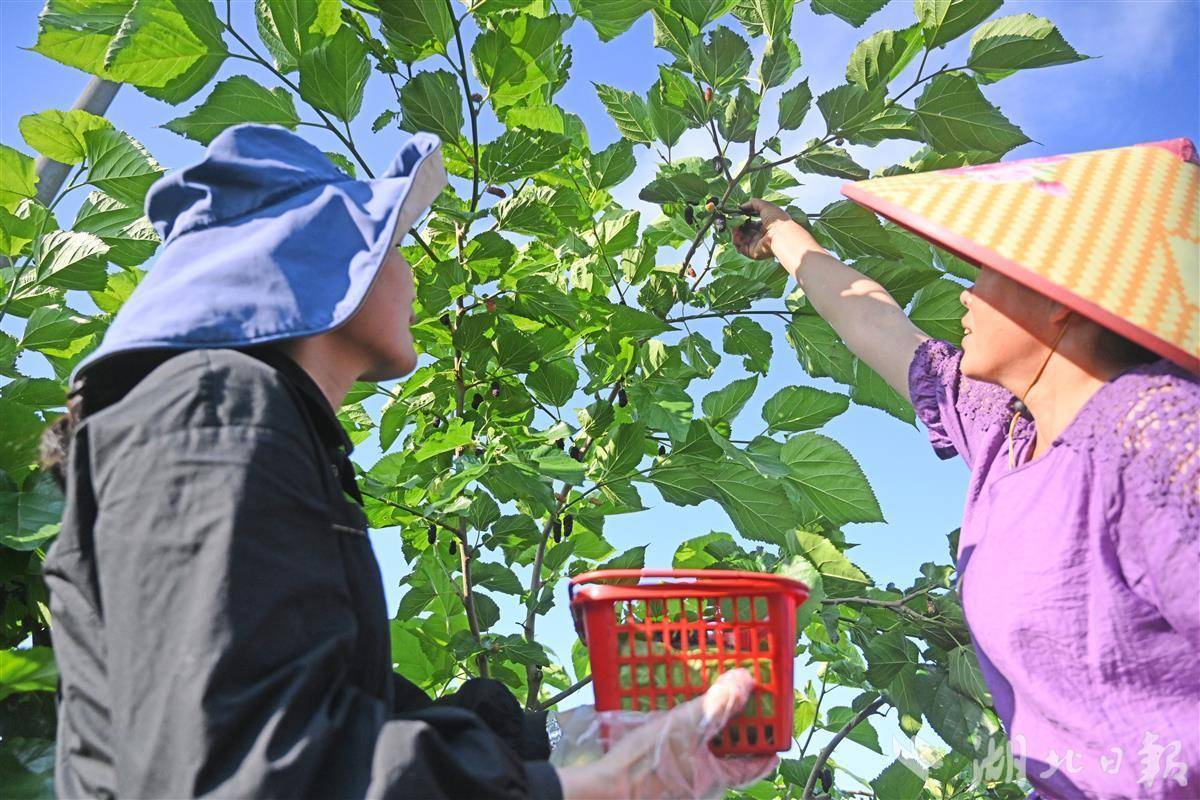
[219, 618]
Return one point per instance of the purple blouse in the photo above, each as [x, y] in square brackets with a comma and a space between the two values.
[1080, 575]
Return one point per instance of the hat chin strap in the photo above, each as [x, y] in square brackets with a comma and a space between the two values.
[1018, 405]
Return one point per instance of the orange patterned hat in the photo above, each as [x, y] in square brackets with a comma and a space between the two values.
[1112, 234]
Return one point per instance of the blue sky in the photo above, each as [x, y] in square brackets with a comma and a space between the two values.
[1140, 87]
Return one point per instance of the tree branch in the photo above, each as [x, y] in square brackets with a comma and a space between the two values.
[564, 694]
[828, 749]
[461, 68]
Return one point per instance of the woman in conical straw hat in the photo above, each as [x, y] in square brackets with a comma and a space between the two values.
[1074, 401]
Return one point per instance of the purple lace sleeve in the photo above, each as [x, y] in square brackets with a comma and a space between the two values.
[960, 413]
[1146, 442]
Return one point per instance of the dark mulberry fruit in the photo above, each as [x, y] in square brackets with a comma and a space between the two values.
[689, 215]
[476, 401]
[559, 444]
[662, 449]
[622, 398]
[496, 190]
[568, 524]
[437, 422]
[574, 453]
[453, 548]
[495, 388]
[445, 320]
[719, 224]
[431, 534]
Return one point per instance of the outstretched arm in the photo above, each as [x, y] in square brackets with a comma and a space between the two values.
[862, 312]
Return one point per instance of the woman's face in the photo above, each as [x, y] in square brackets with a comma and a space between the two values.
[382, 328]
[1007, 328]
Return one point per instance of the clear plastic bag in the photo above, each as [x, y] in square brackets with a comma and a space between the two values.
[657, 754]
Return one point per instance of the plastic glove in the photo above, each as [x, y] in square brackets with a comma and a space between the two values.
[662, 754]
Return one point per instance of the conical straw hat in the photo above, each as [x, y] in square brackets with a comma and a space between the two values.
[1112, 234]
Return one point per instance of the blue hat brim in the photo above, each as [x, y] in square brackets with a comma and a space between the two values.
[297, 267]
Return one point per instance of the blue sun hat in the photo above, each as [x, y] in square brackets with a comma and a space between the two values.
[265, 239]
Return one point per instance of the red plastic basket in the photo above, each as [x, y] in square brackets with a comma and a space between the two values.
[657, 638]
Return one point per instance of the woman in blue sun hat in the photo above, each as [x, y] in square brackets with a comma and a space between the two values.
[219, 617]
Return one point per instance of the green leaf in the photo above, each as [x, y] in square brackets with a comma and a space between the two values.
[684, 187]
[830, 481]
[830, 562]
[880, 57]
[802, 408]
[431, 102]
[745, 337]
[952, 114]
[168, 48]
[848, 107]
[77, 33]
[20, 429]
[856, 12]
[29, 515]
[554, 382]
[965, 675]
[739, 120]
[519, 153]
[334, 74]
[869, 389]
[898, 781]
[29, 670]
[781, 58]
[408, 657]
[528, 212]
[894, 122]
[826, 159]
[699, 12]
[18, 178]
[887, 654]
[54, 327]
[290, 27]
[71, 260]
[611, 165]
[938, 311]
[620, 452]
[1021, 41]
[863, 733]
[725, 403]
[673, 33]
[130, 237]
[457, 433]
[417, 30]
[794, 105]
[721, 59]
[58, 135]
[946, 20]
[611, 18]
[629, 112]
[633, 558]
[518, 58]
[853, 231]
[233, 101]
[821, 352]
[668, 121]
[958, 719]
[119, 166]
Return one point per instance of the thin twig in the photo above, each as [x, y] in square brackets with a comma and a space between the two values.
[291, 85]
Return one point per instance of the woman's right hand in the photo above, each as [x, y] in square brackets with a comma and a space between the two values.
[659, 754]
[753, 239]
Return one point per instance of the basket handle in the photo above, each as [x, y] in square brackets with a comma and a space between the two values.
[723, 574]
